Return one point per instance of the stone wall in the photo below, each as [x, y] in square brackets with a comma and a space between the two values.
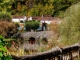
[38, 35]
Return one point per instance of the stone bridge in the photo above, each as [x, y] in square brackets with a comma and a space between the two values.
[37, 35]
[56, 53]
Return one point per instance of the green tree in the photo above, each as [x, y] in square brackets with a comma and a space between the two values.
[48, 9]
[31, 25]
[4, 16]
[62, 5]
[24, 10]
[6, 5]
[35, 11]
[70, 26]
[39, 9]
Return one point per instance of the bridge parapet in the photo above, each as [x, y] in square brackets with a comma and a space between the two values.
[65, 53]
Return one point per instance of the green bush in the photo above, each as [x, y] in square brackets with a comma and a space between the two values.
[70, 26]
[4, 16]
[3, 50]
[31, 25]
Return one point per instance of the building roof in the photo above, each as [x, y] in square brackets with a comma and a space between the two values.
[18, 17]
[46, 18]
[35, 17]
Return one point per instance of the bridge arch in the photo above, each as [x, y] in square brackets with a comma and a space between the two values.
[31, 40]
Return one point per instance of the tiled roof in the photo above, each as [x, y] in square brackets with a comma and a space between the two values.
[44, 18]
[18, 17]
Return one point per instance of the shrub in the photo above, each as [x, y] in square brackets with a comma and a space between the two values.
[7, 29]
[70, 26]
[31, 25]
[3, 50]
[5, 16]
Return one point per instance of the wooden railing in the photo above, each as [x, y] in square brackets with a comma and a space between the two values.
[65, 53]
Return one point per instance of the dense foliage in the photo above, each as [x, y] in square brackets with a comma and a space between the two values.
[36, 7]
[5, 5]
[3, 50]
[70, 26]
[31, 25]
[4, 16]
[60, 6]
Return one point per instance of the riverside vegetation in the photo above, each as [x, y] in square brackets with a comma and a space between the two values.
[68, 32]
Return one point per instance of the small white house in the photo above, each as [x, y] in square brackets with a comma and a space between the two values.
[19, 18]
[30, 18]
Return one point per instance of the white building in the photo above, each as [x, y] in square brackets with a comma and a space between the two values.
[30, 18]
[47, 19]
[19, 18]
